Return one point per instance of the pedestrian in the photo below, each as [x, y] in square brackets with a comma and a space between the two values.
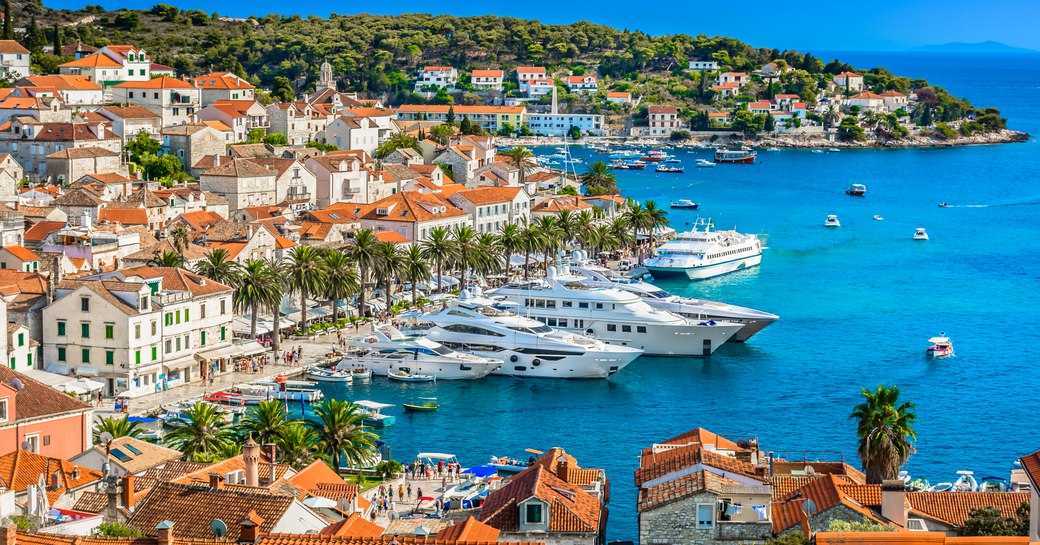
[400, 491]
[418, 493]
[409, 490]
[390, 493]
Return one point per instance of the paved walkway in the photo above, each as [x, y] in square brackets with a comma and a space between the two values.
[406, 508]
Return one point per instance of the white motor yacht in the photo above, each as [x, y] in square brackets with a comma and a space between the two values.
[920, 234]
[687, 307]
[529, 348]
[703, 253]
[617, 317]
[832, 221]
[386, 350]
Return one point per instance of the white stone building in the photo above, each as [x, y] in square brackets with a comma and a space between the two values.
[241, 181]
[492, 208]
[173, 100]
[14, 60]
[441, 77]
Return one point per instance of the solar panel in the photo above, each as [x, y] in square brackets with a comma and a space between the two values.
[132, 449]
[120, 455]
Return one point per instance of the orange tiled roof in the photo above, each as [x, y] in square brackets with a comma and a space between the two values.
[489, 195]
[867, 95]
[40, 230]
[162, 82]
[201, 220]
[530, 69]
[571, 509]
[93, 61]
[391, 236]
[192, 508]
[22, 253]
[412, 206]
[355, 526]
[954, 508]
[22, 468]
[64, 83]
[488, 73]
[222, 80]
[826, 492]
[470, 530]
[177, 279]
[682, 487]
[460, 110]
[124, 216]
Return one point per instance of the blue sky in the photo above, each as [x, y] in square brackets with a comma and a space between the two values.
[870, 25]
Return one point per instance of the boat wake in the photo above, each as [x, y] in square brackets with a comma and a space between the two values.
[1032, 202]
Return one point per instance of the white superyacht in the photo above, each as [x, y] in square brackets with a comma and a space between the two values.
[529, 348]
[616, 317]
[387, 350]
[695, 309]
[701, 254]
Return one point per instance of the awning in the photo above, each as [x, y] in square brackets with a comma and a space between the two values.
[224, 352]
[250, 349]
[87, 371]
[59, 368]
[84, 384]
[180, 363]
[318, 312]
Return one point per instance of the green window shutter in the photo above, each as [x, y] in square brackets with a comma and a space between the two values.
[223, 333]
[61, 329]
[187, 318]
[85, 355]
[178, 316]
[28, 359]
[21, 339]
[61, 353]
[110, 331]
[84, 330]
[137, 357]
[12, 363]
[155, 353]
[110, 357]
[202, 338]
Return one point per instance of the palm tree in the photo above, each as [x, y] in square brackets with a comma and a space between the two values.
[656, 217]
[341, 280]
[363, 252]
[306, 276]
[637, 219]
[548, 236]
[340, 432]
[522, 159]
[166, 259]
[396, 142]
[529, 242]
[619, 229]
[885, 431]
[264, 421]
[417, 267]
[599, 175]
[277, 269]
[565, 223]
[509, 242]
[605, 240]
[199, 433]
[297, 444]
[438, 246]
[464, 240]
[487, 258]
[179, 238]
[256, 288]
[218, 267]
[389, 263]
[118, 427]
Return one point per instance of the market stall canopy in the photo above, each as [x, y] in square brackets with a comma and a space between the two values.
[87, 371]
[250, 348]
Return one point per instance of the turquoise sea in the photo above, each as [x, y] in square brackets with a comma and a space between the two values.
[857, 305]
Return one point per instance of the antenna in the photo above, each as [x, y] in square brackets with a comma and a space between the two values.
[218, 528]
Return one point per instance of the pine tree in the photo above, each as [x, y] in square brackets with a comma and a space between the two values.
[57, 39]
[451, 115]
[465, 127]
[770, 124]
[8, 23]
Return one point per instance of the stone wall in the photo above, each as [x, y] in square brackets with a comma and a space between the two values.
[676, 522]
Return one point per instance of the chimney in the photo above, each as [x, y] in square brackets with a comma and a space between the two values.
[249, 527]
[55, 480]
[251, 455]
[164, 532]
[893, 501]
[216, 160]
[271, 453]
[216, 481]
[8, 534]
[112, 491]
[563, 469]
[128, 491]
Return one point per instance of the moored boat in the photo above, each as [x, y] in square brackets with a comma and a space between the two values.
[831, 221]
[741, 156]
[373, 415]
[427, 404]
[701, 254]
[704, 163]
[321, 374]
[402, 374]
[672, 170]
[361, 374]
[683, 204]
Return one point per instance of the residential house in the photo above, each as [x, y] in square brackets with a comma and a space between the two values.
[192, 254]
[218, 86]
[487, 80]
[554, 501]
[293, 120]
[703, 66]
[39, 420]
[740, 78]
[557, 124]
[336, 101]
[191, 142]
[75, 91]
[19, 258]
[726, 90]
[129, 121]
[158, 70]
[611, 205]
[30, 143]
[525, 74]
[242, 116]
[619, 97]
[108, 186]
[663, 120]
[384, 118]
[412, 214]
[849, 81]
[552, 206]
[334, 225]
[11, 174]
[894, 100]
[197, 221]
[295, 185]
[718, 118]
[173, 100]
[81, 206]
[41, 106]
[12, 226]
[771, 70]
[867, 101]
[490, 118]
[93, 247]
[74, 163]
[23, 468]
[125, 456]
[341, 177]
[540, 87]
[247, 241]
[14, 60]
[353, 133]
[465, 155]
[492, 208]
[22, 349]
[186, 199]
[760, 107]
[441, 77]
[241, 181]
[77, 50]
[26, 295]
[588, 83]
[124, 63]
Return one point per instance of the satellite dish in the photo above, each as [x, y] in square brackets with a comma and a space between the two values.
[106, 437]
[809, 507]
[743, 444]
[218, 528]
[810, 470]
[17, 383]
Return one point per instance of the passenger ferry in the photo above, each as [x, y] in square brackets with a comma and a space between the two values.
[702, 254]
[746, 156]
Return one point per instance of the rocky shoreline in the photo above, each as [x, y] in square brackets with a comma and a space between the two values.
[785, 141]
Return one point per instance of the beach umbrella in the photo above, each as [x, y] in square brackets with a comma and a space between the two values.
[481, 471]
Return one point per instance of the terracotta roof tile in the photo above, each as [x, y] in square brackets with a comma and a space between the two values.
[954, 508]
[22, 468]
[176, 279]
[572, 510]
[41, 229]
[222, 80]
[123, 216]
[489, 195]
[471, 530]
[192, 508]
[162, 82]
[22, 253]
[239, 168]
[63, 83]
[412, 206]
[355, 526]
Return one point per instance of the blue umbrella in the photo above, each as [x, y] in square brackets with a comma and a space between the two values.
[481, 471]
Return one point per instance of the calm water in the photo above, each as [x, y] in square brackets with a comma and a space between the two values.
[857, 305]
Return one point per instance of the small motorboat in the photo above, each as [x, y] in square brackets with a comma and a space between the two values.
[856, 190]
[941, 347]
[993, 484]
[832, 221]
[944, 204]
[402, 375]
[429, 404]
[966, 482]
[920, 234]
[877, 217]
[683, 204]
[704, 163]
[817, 151]
[833, 150]
[673, 161]
[361, 374]
[672, 170]
[941, 487]
[772, 149]
[321, 374]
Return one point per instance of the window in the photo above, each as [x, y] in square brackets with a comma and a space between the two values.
[137, 357]
[533, 513]
[137, 331]
[61, 353]
[202, 338]
[626, 329]
[110, 331]
[611, 327]
[85, 355]
[567, 304]
[155, 353]
[178, 317]
[187, 315]
[223, 332]
[202, 311]
[32, 443]
[84, 304]
[84, 330]
[169, 346]
[705, 516]
[583, 305]
[155, 327]
[640, 329]
[3, 410]
[28, 359]
[21, 339]
[110, 357]
[223, 310]
[178, 344]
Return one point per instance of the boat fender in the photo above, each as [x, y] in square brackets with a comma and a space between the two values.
[536, 362]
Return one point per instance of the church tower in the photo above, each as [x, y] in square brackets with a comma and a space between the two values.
[326, 81]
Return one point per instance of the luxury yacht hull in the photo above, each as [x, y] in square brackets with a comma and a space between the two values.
[443, 370]
[687, 341]
[661, 267]
[590, 365]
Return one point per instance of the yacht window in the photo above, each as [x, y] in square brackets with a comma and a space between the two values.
[472, 330]
[583, 305]
[551, 322]
[640, 329]
[550, 304]
[579, 323]
[539, 303]
[599, 305]
[539, 318]
[443, 350]
[626, 329]
[563, 322]
[611, 327]
[567, 304]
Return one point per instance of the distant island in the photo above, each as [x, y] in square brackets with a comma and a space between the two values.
[976, 47]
